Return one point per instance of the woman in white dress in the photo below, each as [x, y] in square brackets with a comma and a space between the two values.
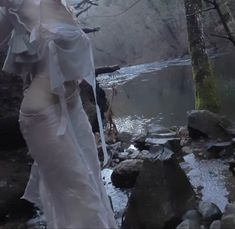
[52, 55]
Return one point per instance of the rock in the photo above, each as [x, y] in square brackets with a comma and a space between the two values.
[124, 137]
[203, 123]
[156, 129]
[192, 215]
[229, 209]
[165, 135]
[14, 173]
[187, 150]
[219, 149]
[188, 224]
[216, 224]
[124, 174]
[134, 154]
[161, 196]
[175, 145]
[144, 154]
[10, 134]
[232, 166]
[228, 222]
[233, 142]
[11, 94]
[209, 211]
[123, 155]
[159, 141]
[139, 142]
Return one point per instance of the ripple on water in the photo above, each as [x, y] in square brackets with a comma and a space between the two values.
[212, 175]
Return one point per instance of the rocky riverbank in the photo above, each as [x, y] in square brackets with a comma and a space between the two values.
[164, 189]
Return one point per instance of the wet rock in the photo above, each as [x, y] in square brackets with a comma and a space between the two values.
[165, 135]
[216, 224]
[228, 222]
[144, 154]
[139, 142]
[124, 137]
[123, 155]
[229, 209]
[192, 215]
[209, 211]
[187, 150]
[188, 224]
[134, 154]
[14, 173]
[124, 175]
[10, 135]
[203, 123]
[233, 142]
[220, 149]
[175, 145]
[156, 129]
[159, 141]
[232, 166]
[161, 196]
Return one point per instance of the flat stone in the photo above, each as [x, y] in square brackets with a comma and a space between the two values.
[154, 129]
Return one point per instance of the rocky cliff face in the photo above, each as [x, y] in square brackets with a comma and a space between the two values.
[144, 32]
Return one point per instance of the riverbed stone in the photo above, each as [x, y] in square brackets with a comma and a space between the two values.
[192, 215]
[139, 142]
[229, 209]
[188, 224]
[228, 222]
[216, 224]
[14, 174]
[161, 196]
[124, 174]
[203, 123]
[209, 211]
[154, 129]
[220, 149]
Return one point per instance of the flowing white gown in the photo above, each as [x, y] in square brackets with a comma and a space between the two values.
[65, 178]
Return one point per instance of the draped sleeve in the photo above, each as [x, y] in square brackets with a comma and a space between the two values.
[54, 45]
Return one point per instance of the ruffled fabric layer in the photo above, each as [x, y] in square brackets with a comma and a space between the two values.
[61, 50]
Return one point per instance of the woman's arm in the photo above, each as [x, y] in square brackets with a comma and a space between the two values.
[5, 27]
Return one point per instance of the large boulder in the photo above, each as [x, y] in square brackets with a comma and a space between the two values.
[161, 196]
[209, 212]
[124, 174]
[14, 174]
[203, 123]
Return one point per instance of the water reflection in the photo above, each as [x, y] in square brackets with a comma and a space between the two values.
[164, 91]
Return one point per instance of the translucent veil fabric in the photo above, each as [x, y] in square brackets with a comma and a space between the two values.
[65, 178]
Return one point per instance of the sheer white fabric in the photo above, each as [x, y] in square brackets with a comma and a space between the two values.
[65, 178]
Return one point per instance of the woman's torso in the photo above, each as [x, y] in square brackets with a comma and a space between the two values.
[48, 14]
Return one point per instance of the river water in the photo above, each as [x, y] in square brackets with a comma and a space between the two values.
[162, 92]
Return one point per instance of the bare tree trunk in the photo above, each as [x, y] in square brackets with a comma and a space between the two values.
[205, 85]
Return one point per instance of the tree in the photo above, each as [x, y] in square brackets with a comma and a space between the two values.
[205, 83]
